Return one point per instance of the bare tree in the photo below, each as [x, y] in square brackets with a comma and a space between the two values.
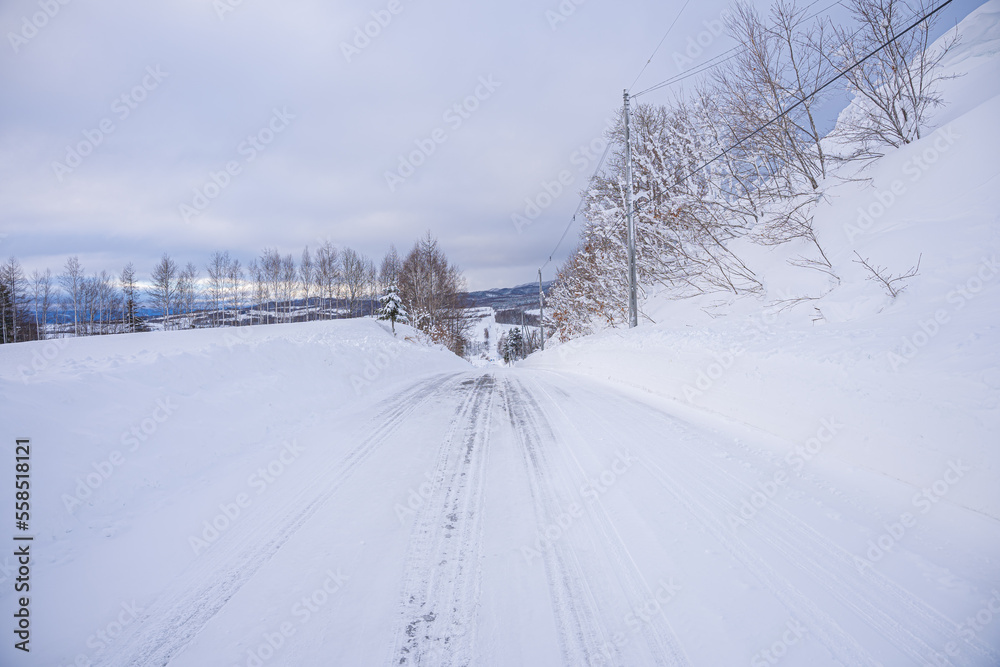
[41, 298]
[353, 274]
[163, 291]
[289, 279]
[270, 266]
[431, 290]
[306, 277]
[260, 288]
[71, 280]
[218, 270]
[371, 285]
[255, 278]
[105, 302]
[98, 283]
[327, 273]
[180, 300]
[389, 270]
[115, 305]
[897, 86]
[236, 289]
[880, 275]
[88, 299]
[187, 291]
[783, 61]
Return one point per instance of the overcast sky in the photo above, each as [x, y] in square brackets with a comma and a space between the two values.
[129, 129]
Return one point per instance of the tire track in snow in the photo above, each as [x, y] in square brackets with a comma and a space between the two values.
[178, 615]
[661, 640]
[581, 635]
[443, 574]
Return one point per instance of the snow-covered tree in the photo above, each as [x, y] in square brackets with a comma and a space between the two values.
[12, 276]
[742, 155]
[512, 346]
[392, 308]
[6, 313]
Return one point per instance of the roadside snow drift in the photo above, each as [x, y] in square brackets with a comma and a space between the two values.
[916, 379]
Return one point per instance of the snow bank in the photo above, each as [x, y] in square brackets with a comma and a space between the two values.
[916, 379]
[138, 440]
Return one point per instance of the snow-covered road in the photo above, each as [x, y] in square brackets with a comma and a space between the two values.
[518, 517]
[328, 494]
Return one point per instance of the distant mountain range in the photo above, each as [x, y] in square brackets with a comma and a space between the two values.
[522, 297]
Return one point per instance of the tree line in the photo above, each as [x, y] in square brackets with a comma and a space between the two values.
[326, 283]
[723, 161]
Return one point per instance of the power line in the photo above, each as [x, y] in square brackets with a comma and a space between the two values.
[738, 49]
[669, 28]
[761, 128]
[600, 164]
[688, 73]
[822, 87]
[819, 89]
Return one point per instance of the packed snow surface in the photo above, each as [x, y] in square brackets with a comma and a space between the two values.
[326, 494]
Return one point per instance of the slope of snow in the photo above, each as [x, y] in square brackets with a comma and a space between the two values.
[140, 439]
[915, 379]
[485, 334]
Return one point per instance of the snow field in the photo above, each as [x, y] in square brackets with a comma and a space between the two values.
[169, 441]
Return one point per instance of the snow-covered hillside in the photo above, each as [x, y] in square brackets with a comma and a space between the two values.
[915, 379]
[485, 333]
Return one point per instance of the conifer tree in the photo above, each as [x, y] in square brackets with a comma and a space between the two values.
[392, 308]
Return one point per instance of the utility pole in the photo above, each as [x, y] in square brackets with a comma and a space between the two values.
[524, 336]
[633, 310]
[541, 309]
